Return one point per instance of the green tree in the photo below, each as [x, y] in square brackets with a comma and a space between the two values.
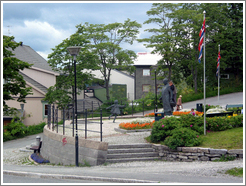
[105, 41]
[228, 32]
[62, 93]
[165, 38]
[14, 84]
[187, 20]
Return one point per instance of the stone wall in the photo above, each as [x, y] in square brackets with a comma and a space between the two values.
[60, 149]
[188, 154]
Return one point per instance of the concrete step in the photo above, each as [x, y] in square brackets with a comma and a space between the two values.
[134, 145]
[131, 152]
[132, 159]
[132, 155]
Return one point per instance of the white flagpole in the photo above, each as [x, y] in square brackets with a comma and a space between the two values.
[204, 12]
[219, 80]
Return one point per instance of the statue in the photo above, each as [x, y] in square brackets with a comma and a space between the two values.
[115, 109]
[167, 98]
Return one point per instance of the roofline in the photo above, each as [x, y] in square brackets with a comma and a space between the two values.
[123, 73]
[37, 89]
[46, 71]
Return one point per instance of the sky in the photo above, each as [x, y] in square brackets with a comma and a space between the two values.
[42, 25]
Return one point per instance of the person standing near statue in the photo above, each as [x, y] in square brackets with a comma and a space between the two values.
[167, 98]
[179, 103]
[173, 88]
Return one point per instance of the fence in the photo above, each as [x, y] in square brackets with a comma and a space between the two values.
[134, 107]
[68, 114]
[87, 117]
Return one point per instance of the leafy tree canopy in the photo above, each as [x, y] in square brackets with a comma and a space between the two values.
[14, 84]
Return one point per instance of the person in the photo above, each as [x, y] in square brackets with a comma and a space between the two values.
[115, 109]
[167, 98]
[173, 88]
[179, 103]
[192, 112]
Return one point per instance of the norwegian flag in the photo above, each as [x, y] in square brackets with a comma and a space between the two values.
[218, 63]
[201, 35]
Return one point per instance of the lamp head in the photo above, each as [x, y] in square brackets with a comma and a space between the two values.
[73, 50]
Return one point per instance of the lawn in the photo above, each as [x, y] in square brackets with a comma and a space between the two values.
[228, 139]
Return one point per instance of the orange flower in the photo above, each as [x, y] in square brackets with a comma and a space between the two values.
[132, 126]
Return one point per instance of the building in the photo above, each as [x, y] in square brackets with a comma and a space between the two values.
[145, 73]
[119, 77]
[39, 77]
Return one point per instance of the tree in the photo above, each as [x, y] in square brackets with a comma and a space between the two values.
[14, 84]
[165, 38]
[62, 93]
[187, 20]
[105, 41]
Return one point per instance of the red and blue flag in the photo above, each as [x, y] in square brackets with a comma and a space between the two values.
[200, 46]
[218, 63]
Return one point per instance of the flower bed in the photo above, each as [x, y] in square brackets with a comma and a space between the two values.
[38, 158]
[150, 115]
[137, 125]
[176, 113]
[180, 113]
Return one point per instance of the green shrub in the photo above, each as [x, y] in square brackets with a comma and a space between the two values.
[184, 131]
[163, 128]
[16, 129]
[224, 123]
[35, 129]
[182, 137]
[194, 123]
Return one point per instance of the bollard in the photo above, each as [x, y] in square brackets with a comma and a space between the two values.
[38, 139]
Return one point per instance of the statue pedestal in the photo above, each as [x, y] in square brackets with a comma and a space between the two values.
[159, 115]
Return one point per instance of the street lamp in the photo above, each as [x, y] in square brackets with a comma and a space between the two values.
[74, 50]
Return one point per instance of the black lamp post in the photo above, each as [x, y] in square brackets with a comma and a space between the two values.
[74, 50]
[155, 94]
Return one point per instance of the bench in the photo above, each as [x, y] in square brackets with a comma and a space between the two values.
[234, 106]
[37, 148]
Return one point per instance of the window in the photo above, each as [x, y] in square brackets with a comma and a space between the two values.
[146, 88]
[45, 109]
[146, 72]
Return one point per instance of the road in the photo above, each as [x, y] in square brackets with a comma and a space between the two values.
[25, 179]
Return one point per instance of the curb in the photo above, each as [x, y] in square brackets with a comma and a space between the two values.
[60, 176]
[129, 131]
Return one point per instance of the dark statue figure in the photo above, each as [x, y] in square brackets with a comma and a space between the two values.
[115, 109]
[167, 98]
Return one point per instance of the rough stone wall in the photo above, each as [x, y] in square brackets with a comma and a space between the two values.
[188, 154]
[60, 149]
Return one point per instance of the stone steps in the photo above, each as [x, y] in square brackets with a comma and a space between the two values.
[131, 152]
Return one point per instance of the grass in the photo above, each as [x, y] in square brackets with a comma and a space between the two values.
[228, 139]
[235, 172]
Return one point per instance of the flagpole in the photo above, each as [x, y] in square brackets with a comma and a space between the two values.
[204, 12]
[219, 80]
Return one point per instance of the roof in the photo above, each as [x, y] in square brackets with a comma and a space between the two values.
[27, 54]
[34, 83]
[146, 58]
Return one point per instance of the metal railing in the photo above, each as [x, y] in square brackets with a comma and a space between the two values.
[67, 114]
